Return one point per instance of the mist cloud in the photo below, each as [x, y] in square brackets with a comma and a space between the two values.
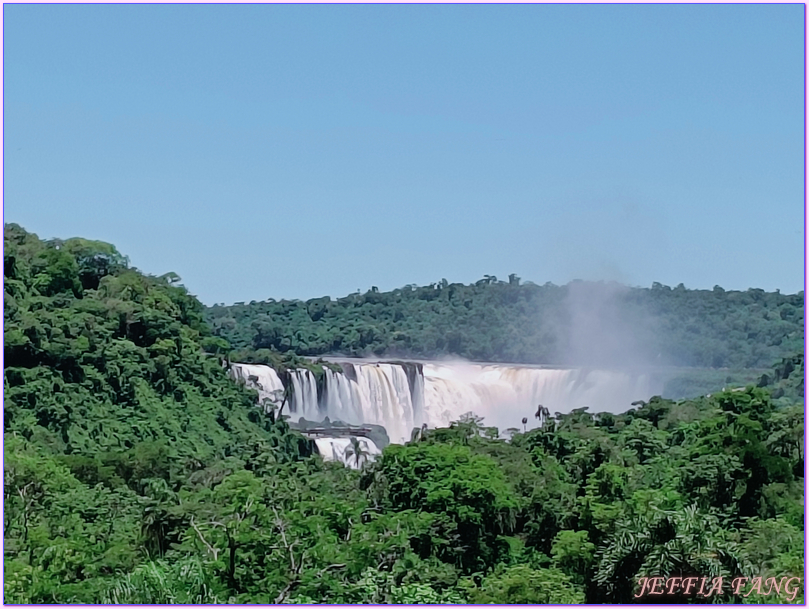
[603, 325]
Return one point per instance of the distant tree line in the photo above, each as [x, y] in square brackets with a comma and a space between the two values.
[509, 321]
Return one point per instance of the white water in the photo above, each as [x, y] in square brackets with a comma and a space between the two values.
[501, 394]
[304, 396]
[262, 378]
[334, 449]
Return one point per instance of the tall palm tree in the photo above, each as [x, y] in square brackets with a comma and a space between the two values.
[542, 414]
[666, 542]
[287, 396]
[356, 450]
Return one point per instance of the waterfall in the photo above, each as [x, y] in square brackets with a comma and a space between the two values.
[418, 399]
[262, 378]
[334, 449]
[386, 399]
[377, 394]
[304, 402]
[401, 396]
[342, 398]
[503, 395]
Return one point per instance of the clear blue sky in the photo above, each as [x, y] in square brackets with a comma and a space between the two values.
[298, 151]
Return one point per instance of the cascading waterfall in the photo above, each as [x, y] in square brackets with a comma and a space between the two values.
[261, 378]
[503, 395]
[334, 449]
[304, 402]
[418, 399]
[400, 396]
[386, 399]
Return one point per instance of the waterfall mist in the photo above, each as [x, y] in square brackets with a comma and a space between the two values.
[601, 325]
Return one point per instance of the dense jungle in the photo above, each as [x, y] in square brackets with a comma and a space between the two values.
[137, 471]
[515, 322]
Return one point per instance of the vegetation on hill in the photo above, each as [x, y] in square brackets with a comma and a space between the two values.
[786, 380]
[136, 471]
[577, 324]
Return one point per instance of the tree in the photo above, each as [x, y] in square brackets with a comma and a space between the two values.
[541, 414]
[356, 450]
[573, 554]
[467, 493]
[667, 543]
[522, 585]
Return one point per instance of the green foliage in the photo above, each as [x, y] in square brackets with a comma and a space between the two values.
[573, 554]
[468, 495]
[381, 587]
[785, 382]
[136, 471]
[164, 583]
[501, 321]
[522, 585]
[776, 549]
[108, 396]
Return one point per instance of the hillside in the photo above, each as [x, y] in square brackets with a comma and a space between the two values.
[577, 324]
[110, 402]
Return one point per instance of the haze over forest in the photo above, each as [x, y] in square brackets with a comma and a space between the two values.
[580, 324]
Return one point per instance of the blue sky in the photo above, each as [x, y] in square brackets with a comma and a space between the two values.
[299, 151]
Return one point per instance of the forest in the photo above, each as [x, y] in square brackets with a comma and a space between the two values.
[579, 324]
[137, 471]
